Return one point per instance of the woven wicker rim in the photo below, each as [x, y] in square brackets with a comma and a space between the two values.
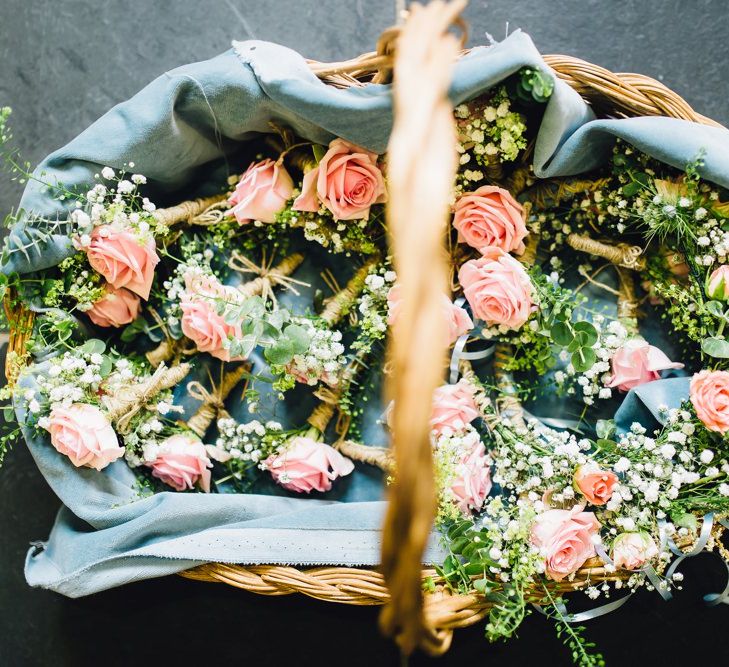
[611, 95]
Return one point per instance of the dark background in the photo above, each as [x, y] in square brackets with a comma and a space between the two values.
[63, 63]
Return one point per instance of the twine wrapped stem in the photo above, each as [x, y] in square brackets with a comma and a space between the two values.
[128, 401]
[380, 457]
[188, 211]
[340, 304]
[421, 172]
[620, 254]
[213, 402]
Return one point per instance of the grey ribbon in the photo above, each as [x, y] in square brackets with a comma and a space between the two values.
[697, 548]
[586, 615]
[460, 353]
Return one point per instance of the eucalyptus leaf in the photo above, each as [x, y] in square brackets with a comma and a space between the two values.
[280, 353]
[605, 428]
[715, 347]
[583, 359]
[93, 346]
[588, 333]
[299, 337]
[561, 334]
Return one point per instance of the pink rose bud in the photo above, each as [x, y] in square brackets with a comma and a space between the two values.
[182, 461]
[123, 259]
[564, 539]
[261, 193]
[347, 181]
[473, 480]
[633, 550]
[200, 320]
[490, 217]
[307, 465]
[456, 318]
[83, 433]
[716, 284]
[595, 484]
[115, 309]
[636, 363]
[709, 393]
[498, 289]
[454, 407]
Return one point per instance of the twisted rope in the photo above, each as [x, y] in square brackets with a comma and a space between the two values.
[421, 171]
[127, 401]
[187, 210]
[620, 254]
[212, 402]
[268, 278]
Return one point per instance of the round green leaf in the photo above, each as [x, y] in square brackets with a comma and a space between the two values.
[561, 334]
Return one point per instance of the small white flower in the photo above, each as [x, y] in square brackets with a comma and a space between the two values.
[668, 451]
[706, 456]
[107, 173]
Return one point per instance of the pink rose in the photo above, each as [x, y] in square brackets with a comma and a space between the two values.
[83, 433]
[497, 288]
[182, 461]
[457, 319]
[564, 538]
[454, 407]
[307, 465]
[636, 363]
[347, 181]
[200, 320]
[632, 550]
[261, 193]
[716, 284]
[473, 480]
[123, 259]
[490, 217]
[709, 392]
[115, 309]
[595, 484]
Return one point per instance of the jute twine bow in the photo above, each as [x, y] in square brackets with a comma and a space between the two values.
[129, 400]
[421, 168]
[267, 277]
[212, 402]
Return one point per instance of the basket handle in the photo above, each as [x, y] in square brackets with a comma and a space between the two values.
[421, 172]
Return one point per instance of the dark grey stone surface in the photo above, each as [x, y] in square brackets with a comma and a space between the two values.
[63, 64]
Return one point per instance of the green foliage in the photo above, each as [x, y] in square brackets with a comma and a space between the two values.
[533, 85]
[581, 650]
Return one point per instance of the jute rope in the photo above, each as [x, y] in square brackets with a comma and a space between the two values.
[127, 401]
[380, 457]
[421, 172]
[620, 254]
[187, 210]
[268, 278]
[212, 402]
[342, 301]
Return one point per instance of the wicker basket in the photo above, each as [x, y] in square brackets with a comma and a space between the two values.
[419, 619]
